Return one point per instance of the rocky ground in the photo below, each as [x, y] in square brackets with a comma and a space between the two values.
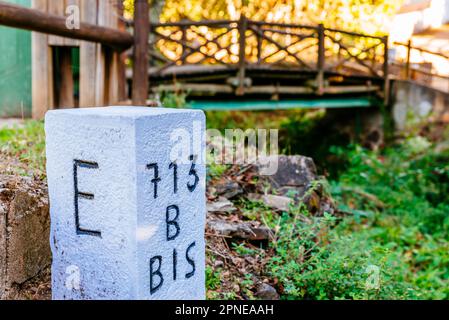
[239, 241]
[232, 229]
[37, 288]
[238, 238]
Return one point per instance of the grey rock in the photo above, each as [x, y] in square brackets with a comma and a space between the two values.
[293, 171]
[228, 189]
[277, 202]
[242, 230]
[293, 179]
[222, 205]
[267, 292]
[218, 263]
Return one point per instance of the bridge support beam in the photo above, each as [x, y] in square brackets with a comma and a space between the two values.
[320, 62]
[386, 72]
[243, 24]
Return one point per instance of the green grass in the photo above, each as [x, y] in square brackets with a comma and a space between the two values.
[26, 145]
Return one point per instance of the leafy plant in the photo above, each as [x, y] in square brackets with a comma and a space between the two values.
[243, 250]
[395, 205]
[174, 99]
[212, 278]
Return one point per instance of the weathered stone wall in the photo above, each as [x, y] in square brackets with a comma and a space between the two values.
[24, 231]
[413, 103]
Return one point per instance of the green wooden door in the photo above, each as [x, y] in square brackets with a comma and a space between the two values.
[15, 70]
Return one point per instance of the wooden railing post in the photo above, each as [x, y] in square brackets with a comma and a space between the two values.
[242, 26]
[386, 72]
[407, 62]
[320, 62]
[140, 66]
[121, 85]
[183, 29]
[259, 46]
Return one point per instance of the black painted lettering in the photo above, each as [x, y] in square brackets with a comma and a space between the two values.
[175, 262]
[193, 172]
[156, 178]
[190, 261]
[172, 222]
[155, 272]
[88, 165]
[174, 166]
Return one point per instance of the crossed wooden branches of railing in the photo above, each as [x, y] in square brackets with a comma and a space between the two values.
[425, 73]
[370, 57]
[247, 44]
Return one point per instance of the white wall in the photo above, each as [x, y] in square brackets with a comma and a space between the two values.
[407, 23]
[446, 13]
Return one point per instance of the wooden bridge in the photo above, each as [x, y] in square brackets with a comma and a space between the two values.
[245, 64]
[264, 61]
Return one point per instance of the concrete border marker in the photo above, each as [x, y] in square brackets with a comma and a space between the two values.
[127, 202]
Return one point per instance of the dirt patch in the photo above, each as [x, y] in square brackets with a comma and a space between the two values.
[38, 288]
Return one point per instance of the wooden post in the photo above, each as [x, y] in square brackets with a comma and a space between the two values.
[140, 67]
[320, 62]
[407, 62]
[259, 46]
[242, 25]
[386, 71]
[88, 60]
[65, 95]
[183, 40]
[122, 94]
[42, 70]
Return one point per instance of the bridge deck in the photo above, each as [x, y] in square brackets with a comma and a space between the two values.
[260, 81]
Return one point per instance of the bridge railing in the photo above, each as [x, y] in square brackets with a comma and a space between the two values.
[180, 43]
[246, 44]
[427, 72]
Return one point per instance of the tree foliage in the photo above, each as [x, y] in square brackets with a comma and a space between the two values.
[369, 16]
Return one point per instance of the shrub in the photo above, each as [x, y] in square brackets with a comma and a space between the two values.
[392, 242]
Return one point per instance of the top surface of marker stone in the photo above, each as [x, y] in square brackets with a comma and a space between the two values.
[122, 111]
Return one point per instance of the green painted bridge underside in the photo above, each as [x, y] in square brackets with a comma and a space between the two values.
[282, 104]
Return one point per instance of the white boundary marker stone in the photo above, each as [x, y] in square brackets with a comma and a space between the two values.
[127, 202]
